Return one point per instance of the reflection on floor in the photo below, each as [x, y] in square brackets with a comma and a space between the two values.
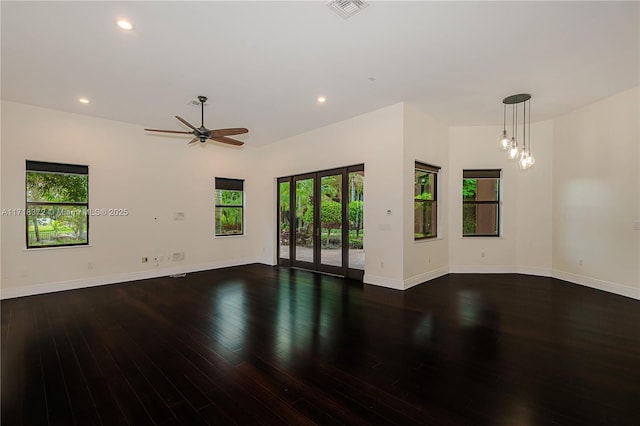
[264, 345]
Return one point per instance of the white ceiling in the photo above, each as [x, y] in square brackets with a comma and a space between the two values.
[263, 64]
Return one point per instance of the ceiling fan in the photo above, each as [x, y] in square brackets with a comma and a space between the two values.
[202, 133]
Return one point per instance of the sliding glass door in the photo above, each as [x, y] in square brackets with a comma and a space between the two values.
[304, 232]
[330, 221]
[355, 196]
[320, 221]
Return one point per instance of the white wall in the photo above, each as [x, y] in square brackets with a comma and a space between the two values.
[152, 176]
[525, 244]
[374, 139]
[426, 140]
[596, 195]
[578, 202]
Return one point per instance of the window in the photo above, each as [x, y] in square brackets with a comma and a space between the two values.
[57, 202]
[481, 203]
[425, 201]
[229, 206]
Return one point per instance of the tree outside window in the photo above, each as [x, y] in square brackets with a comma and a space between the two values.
[57, 202]
[481, 203]
[229, 206]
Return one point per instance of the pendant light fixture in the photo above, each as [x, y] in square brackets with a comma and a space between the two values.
[504, 141]
[514, 152]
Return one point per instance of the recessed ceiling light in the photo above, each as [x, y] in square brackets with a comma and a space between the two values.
[322, 99]
[124, 24]
[83, 100]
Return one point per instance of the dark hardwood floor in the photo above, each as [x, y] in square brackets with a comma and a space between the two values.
[261, 345]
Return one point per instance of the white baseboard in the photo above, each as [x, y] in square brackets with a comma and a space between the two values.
[534, 270]
[425, 276]
[614, 288]
[31, 290]
[482, 269]
[392, 283]
[500, 269]
[267, 261]
[397, 284]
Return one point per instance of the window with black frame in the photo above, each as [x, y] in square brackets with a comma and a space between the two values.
[481, 203]
[425, 201]
[57, 203]
[229, 201]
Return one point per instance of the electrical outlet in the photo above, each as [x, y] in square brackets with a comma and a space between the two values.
[382, 265]
[481, 254]
[179, 216]
[90, 265]
[580, 262]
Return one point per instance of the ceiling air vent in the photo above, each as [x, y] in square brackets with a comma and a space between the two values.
[347, 8]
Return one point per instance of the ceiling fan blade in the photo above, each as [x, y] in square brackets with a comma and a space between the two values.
[169, 131]
[226, 140]
[229, 132]
[193, 140]
[185, 122]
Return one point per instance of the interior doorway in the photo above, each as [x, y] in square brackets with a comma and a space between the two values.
[321, 221]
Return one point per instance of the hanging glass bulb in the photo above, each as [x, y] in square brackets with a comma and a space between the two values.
[504, 141]
[531, 160]
[513, 150]
[523, 161]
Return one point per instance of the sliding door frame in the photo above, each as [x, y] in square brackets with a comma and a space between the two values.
[292, 220]
[317, 265]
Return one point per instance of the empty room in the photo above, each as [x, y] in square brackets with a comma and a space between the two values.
[320, 212]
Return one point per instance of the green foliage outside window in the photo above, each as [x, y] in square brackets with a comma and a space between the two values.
[56, 209]
[330, 211]
[469, 190]
[229, 212]
[481, 203]
[425, 203]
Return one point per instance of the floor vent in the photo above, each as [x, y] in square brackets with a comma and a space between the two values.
[347, 8]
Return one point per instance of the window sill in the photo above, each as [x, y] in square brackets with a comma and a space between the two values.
[426, 240]
[57, 247]
[484, 237]
[229, 236]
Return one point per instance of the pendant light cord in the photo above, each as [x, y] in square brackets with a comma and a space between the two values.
[513, 123]
[524, 127]
[504, 118]
[529, 126]
[515, 130]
